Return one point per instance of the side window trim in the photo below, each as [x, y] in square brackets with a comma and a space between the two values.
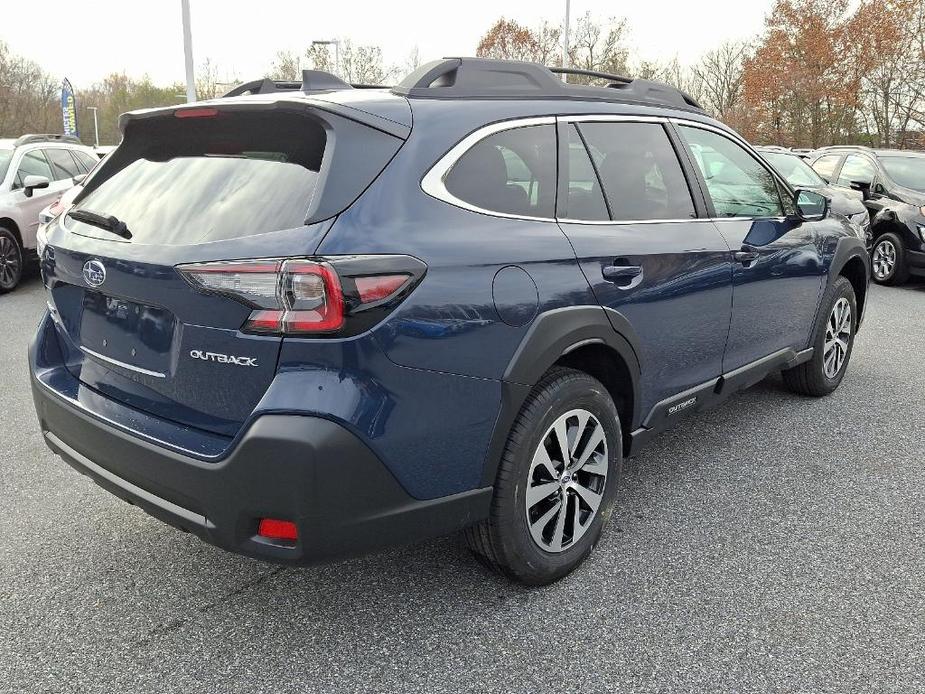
[433, 181]
[594, 168]
[781, 182]
[81, 167]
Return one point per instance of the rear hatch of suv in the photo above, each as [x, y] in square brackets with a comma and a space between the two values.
[162, 273]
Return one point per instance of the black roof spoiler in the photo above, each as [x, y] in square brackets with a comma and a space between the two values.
[486, 78]
[312, 81]
[47, 137]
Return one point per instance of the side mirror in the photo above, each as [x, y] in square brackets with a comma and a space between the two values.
[31, 183]
[811, 206]
[863, 186]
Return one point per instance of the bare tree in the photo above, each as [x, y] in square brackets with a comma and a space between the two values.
[599, 47]
[286, 66]
[720, 78]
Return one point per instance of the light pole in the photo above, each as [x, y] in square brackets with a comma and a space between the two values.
[336, 44]
[96, 124]
[565, 39]
[188, 52]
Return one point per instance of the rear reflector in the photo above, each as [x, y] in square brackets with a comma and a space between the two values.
[275, 529]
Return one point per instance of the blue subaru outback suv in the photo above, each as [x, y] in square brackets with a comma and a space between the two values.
[308, 320]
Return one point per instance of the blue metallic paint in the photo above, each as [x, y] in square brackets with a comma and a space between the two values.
[424, 388]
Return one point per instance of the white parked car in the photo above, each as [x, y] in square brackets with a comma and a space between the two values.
[35, 170]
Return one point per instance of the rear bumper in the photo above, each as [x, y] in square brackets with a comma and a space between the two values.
[304, 469]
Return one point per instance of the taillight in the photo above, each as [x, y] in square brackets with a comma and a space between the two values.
[309, 297]
[55, 208]
[203, 112]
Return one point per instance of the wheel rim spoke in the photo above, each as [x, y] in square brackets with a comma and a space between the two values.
[558, 531]
[541, 491]
[592, 499]
[541, 458]
[594, 441]
[537, 528]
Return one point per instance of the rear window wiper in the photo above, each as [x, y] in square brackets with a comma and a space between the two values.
[109, 223]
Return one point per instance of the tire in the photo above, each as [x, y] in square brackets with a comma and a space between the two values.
[816, 377]
[888, 260]
[11, 261]
[504, 542]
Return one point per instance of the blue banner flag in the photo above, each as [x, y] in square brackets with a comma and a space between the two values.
[69, 108]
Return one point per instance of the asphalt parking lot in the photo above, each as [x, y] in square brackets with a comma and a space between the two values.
[774, 544]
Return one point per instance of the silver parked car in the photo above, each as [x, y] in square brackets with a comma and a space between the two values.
[35, 170]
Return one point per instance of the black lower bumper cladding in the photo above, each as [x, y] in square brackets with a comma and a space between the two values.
[303, 469]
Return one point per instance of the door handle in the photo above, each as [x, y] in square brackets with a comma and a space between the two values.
[747, 255]
[624, 276]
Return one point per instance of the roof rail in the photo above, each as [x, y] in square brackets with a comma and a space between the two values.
[861, 147]
[46, 137]
[486, 78]
[312, 81]
[590, 73]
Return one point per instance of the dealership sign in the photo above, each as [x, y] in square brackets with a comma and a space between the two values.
[69, 108]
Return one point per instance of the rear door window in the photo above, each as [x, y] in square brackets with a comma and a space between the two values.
[184, 181]
[85, 161]
[511, 172]
[827, 165]
[63, 164]
[857, 169]
[639, 171]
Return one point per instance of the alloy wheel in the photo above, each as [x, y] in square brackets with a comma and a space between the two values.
[9, 262]
[567, 479]
[837, 338]
[884, 259]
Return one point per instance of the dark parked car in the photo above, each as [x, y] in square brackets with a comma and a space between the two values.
[314, 320]
[844, 201]
[892, 183]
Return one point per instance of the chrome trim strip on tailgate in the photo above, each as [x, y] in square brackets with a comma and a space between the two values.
[122, 364]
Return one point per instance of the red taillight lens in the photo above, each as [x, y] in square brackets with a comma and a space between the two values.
[291, 296]
[305, 297]
[56, 207]
[379, 287]
[275, 529]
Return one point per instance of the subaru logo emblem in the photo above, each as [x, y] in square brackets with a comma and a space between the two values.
[94, 273]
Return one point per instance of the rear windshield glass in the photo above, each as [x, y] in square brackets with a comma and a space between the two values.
[191, 180]
[908, 172]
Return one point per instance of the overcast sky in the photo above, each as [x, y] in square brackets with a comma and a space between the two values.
[242, 37]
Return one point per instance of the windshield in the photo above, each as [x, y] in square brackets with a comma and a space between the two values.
[6, 155]
[183, 182]
[909, 172]
[798, 173]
